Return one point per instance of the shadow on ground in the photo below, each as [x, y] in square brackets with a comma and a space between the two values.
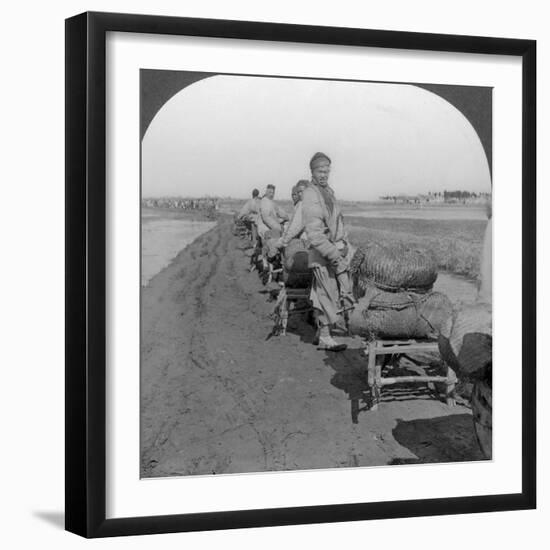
[441, 439]
[350, 376]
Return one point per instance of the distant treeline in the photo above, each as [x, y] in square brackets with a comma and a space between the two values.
[466, 197]
[461, 195]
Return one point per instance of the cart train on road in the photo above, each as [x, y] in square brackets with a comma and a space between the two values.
[397, 314]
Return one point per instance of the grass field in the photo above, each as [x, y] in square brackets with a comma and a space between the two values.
[455, 239]
[456, 244]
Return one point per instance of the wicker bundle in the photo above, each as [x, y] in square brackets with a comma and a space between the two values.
[393, 268]
[466, 343]
[296, 273]
[380, 314]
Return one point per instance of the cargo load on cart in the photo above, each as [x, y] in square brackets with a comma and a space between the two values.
[394, 288]
[394, 268]
[296, 271]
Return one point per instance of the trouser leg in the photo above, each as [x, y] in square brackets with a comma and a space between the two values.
[340, 268]
[324, 295]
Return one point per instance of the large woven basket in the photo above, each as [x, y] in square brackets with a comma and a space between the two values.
[393, 268]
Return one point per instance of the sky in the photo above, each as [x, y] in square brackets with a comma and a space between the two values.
[225, 135]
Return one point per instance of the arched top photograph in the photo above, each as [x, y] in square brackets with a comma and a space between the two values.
[324, 234]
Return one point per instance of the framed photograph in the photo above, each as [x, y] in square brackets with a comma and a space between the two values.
[284, 289]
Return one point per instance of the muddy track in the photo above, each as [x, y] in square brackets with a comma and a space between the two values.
[217, 396]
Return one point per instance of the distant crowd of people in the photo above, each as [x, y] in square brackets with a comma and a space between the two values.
[318, 221]
[182, 204]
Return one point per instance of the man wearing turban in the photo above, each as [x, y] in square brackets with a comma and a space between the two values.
[331, 292]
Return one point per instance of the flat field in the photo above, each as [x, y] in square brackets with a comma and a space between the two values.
[455, 243]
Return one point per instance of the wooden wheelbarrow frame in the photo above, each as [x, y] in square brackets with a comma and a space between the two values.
[282, 307]
[383, 348]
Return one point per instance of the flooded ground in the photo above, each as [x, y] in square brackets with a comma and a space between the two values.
[460, 290]
[163, 236]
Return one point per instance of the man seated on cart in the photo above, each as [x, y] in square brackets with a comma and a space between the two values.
[270, 219]
[295, 228]
[249, 214]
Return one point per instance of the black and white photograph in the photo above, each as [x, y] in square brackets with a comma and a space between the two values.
[259, 258]
[316, 273]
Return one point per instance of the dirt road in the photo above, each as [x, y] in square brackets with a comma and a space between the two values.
[218, 397]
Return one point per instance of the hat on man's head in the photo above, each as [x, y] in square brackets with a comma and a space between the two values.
[270, 186]
[318, 159]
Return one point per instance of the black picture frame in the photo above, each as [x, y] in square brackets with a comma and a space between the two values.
[86, 279]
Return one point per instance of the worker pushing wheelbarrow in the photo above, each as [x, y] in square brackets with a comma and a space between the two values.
[317, 219]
